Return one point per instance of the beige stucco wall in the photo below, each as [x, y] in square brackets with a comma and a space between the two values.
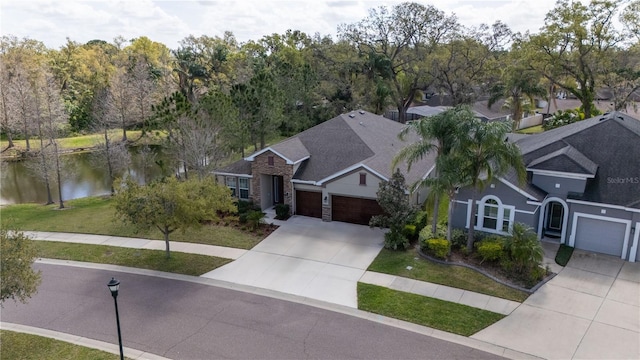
[349, 185]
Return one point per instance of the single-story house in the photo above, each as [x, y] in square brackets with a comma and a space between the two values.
[330, 171]
[582, 188]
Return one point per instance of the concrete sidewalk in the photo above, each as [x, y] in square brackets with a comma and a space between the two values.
[446, 293]
[137, 243]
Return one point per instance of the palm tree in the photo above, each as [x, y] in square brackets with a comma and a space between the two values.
[518, 88]
[486, 153]
[437, 134]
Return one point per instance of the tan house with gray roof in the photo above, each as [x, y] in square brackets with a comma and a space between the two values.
[331, 171]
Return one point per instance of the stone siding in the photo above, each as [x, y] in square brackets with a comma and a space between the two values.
[260, 166]
[326, 213]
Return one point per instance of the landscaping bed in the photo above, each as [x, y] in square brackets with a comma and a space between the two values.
[411, 265]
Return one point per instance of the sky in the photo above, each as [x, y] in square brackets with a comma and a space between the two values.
[169, 21]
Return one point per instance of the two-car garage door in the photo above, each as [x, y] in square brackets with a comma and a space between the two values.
[354, 210]
[601, 236]
[343, 208]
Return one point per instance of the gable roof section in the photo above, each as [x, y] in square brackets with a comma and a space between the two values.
[567, 160]
[291, 150]
[240, 167]
[610, 141]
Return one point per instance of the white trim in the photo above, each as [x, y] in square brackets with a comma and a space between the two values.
[499, 220]
[619, 207]
[561, 174]
[306, 182]
[634, 247]
[565, 217]
[534, 203]
[350, 169]
[522, 192]
[527, 212]
[232, 174]
[461, 202]
[428, 172]
[625, 244]
[288, 161]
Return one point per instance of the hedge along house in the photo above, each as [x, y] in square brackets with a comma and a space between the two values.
[330, 171]
[582, 189]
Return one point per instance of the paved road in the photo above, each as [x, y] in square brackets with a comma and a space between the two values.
[184, 320]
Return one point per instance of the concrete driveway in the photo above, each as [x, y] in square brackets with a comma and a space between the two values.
[310, 258]
[590, 310]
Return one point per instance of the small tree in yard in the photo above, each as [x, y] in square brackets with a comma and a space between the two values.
[18, 279]
[170, 204]
[393, 198]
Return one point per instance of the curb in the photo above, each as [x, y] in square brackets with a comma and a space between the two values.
[423, 330]
[81, 341]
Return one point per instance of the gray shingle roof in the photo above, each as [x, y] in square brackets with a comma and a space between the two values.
[241, 167]
[292, 148]
[567, 159]
[610, 141]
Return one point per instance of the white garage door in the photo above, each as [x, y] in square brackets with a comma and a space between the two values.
[601, 236]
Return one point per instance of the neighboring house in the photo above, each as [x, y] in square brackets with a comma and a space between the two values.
[583, 188]
[330, 171]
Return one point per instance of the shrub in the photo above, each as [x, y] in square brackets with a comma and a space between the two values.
[426, 234]
[458, 238]
[524, 249]
[421, 219]
[242, 218]
[490, 250]
[410, 231]
[254, 219]
[438, 247]
[395, 241]
[246, 206]
[282, 211]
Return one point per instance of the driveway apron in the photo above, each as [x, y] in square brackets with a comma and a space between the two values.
[590, 310]
[310, 258]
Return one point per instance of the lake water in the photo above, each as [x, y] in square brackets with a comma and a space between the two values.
[18, 184]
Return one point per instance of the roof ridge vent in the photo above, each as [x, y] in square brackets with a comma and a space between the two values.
[352, 115]
[361, 112]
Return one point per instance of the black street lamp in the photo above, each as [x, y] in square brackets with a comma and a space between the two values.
[113, 286]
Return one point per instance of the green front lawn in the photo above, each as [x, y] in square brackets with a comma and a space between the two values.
[532, 130]
[95, 215]
[396, 262]
[438, 314]
[179, 263]
[15, 345]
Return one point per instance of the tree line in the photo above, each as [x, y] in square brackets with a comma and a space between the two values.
[213, 95]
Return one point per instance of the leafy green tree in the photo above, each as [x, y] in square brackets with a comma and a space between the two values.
[437, 134]
[170, 205]
[397, 41]
[486, 154]
[18, 280]
[574, 47]
[394, 200]
[462, 63]
[518, 85]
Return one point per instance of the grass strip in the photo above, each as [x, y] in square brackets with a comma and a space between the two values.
[396, 263]
[179, 263]
[564, 255]
[95, 215]
[438, 314]
[15, 345]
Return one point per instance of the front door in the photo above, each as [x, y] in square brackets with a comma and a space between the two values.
[278, 189]
[554, 217]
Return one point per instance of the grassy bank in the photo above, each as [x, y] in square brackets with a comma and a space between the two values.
[396, 263]
[179, 263]
[15, 345]
[438, 314]
[96, 216]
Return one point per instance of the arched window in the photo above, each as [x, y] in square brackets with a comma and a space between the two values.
[493, 216]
